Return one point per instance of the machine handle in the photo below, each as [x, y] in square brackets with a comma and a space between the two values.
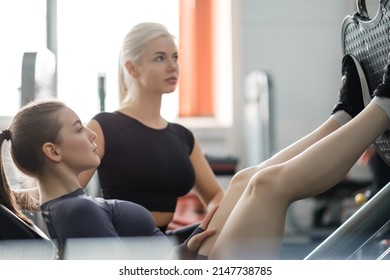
[362, 8]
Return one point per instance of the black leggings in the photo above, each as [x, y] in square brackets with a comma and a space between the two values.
[180, 234]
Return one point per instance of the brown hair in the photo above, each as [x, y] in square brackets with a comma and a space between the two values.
[35, 124]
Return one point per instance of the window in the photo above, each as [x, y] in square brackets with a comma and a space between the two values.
[89, 38]
[90, 34]
[22, 30]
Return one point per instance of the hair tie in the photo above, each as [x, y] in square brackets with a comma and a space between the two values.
[6, 134]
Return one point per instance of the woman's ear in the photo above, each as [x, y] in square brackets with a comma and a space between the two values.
[131, 69]
[51, 152]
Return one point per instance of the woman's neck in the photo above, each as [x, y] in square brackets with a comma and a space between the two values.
[146, 110]
[56, 185]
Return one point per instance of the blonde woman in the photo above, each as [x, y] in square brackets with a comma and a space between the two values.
[144, 158]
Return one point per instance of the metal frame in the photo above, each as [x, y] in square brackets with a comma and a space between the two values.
[357, 230]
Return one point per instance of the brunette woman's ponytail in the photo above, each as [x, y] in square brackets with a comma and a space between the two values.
[7, 198]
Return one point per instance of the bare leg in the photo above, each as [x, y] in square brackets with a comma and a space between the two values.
[352, 94]
[240, 181]
[260, 212]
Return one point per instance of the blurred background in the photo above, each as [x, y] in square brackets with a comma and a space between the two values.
[296, 44]
[256, 75]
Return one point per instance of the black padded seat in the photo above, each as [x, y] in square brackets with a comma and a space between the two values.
[12, 227]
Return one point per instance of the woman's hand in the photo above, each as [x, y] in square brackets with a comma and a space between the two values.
[196, 240]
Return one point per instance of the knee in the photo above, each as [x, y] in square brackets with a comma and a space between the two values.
[264, 183]
[268, 183]
[255, 178]
[241, 179]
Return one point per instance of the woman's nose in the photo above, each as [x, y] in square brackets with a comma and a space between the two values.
[92, 134]
[173, 64]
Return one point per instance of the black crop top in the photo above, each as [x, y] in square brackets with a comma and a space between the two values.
[147, 166]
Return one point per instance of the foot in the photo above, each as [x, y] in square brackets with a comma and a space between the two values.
[354, 94]
[383, 89]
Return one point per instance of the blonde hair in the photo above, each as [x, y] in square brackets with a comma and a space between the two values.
[133, 47]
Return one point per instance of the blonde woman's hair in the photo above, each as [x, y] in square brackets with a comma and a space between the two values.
[132, 49]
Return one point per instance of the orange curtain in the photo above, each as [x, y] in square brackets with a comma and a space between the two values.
[196, 58]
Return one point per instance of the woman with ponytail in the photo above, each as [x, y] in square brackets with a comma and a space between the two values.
[49, 143]
[25, 153]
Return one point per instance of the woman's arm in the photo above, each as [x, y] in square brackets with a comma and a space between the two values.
[206, 184]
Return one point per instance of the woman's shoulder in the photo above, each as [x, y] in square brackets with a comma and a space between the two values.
[74, 209]
[179, 128]
[107, 119]
[105, 116]
[182, 132]
[77, 198]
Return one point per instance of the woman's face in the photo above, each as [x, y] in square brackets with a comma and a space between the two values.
[158, 70]
[77, 147]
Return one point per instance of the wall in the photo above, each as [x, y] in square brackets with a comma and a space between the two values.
[298, 44]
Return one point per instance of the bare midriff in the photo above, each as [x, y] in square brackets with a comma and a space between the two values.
[162, 218]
